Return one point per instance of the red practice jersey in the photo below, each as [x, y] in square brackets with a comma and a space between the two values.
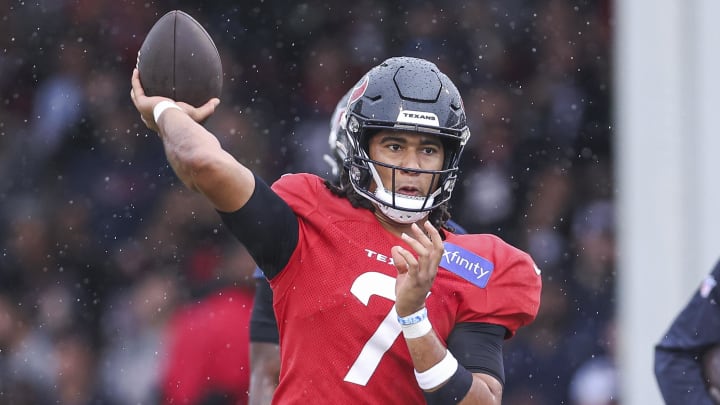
[340, 340]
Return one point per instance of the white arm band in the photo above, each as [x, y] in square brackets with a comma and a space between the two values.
[161, 107]
[437, 374]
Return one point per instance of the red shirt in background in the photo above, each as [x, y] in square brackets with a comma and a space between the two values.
[208, 351]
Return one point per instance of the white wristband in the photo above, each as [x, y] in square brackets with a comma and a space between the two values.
[413, 318]
[437, 374]
[416, 324]
[416, 330]
[161, 107]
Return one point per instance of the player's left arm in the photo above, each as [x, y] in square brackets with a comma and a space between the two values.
[468, 371]
[443, 379]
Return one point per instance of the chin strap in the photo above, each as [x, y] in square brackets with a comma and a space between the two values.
[402, 202]
[401, 217]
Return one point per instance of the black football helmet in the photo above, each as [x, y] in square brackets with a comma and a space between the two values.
[407, 94]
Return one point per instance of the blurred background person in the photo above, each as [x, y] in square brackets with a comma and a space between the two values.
[207, 338]
[681, 368]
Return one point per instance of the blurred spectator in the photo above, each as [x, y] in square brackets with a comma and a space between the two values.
[207, 339]
[27, 365]
[596, 381]
[489, 183]
[134, 325]
[541, 360]
[77, 378]
[593, 278]
[686, 356]
[547, 210]
[59, 102]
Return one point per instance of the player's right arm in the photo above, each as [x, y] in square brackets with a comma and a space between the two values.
[194, 153]
[251, 210]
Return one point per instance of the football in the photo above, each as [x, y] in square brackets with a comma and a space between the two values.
[179, 60]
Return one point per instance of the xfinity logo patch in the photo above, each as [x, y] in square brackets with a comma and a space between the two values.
[466, 264]
[418, 117]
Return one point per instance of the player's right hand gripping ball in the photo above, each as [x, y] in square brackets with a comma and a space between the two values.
[179, 60]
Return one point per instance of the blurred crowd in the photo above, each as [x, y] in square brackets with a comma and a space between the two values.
[101, 246]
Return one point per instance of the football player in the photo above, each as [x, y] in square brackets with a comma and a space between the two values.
[679, 354]
[374, 299]
[264, 340]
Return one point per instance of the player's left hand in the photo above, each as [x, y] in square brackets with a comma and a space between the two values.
[416, 274]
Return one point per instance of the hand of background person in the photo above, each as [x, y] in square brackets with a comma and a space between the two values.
[711, 371]
[145, 104]
[416, 274]
[715, 394]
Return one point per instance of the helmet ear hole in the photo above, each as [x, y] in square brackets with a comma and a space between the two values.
[359, 174]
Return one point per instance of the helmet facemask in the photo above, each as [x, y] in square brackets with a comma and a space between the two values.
[411, 95]
[401, 208]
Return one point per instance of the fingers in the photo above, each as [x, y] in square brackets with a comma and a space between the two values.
[200, 114]
[136, 95]
[434, 235]
[213, 102]
[424, 244]
[145, 104]
[136, 85]
[417, 267]
[427, 246]
[205, 110]
[402, 258]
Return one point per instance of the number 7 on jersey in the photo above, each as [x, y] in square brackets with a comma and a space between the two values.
[364, 287]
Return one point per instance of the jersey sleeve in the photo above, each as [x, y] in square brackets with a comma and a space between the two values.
[303, 193]
[257, 226]
[300, 192]
[511, 297]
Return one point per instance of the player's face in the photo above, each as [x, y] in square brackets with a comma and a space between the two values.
[411, 151]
